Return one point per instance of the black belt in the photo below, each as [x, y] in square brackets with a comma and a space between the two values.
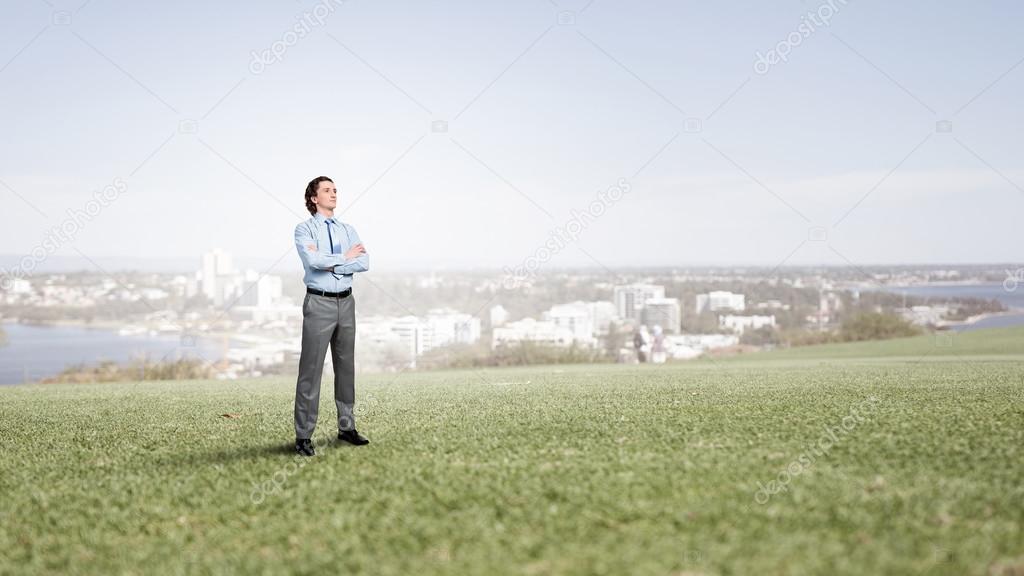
[344, 294]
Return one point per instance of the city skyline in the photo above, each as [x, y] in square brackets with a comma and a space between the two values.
[73, 264]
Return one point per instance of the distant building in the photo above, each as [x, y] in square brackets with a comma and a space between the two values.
[498, 315]
[603, 314]
[531, 330]
[216, 276]
[686, 346]
[772, 305]
[445, 326]
[740, 324]
[412, 334]
[21, 286]
[663, 312]
[720, 300]
[925, 315]
[280, 312]
[379, 332]
[577, 318]
[260, 291]
[630, 298]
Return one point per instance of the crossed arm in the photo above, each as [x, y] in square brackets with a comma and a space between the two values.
[354, 260]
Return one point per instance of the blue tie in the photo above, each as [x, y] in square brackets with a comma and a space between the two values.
[329, 237]
[331, 240]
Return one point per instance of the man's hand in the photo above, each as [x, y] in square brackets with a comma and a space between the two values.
[311, 247]
[355, 251]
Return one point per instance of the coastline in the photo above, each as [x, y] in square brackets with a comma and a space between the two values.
[971, 320]
[30, 357]
[239, 352]
[113, 326]
[64, 323]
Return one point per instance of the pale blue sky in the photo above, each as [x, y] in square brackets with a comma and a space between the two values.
[582, 105]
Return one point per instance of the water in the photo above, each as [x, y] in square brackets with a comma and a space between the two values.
[1013, 299]
[939, 292]
[35, 352]
[993, 322]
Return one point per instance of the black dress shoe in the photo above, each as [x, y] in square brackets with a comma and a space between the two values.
[352, 437]
[304, 447]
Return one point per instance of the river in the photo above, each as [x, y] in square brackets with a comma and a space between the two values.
[35, 352]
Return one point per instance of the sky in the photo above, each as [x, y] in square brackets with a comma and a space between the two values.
[465, 134]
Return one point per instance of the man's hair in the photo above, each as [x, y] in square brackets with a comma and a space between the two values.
[311, 189]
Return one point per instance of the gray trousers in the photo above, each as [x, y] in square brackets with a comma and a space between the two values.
[326, 321]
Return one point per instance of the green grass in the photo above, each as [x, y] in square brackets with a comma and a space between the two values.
[579, 470]
[1007, 343]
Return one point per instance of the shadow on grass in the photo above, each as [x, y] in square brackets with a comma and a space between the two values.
[248, 452]
[227, 456]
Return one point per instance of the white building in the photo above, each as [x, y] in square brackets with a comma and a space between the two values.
[180, 286]
[446, 326]
[663, 312]
[377, 332]
[498, 315]
[260, 291]
[282, 311]
[720, 300]
[829, 302]
[924, 315]
[413, 336]
[576, 317]
[216, 276]
[153, 293]
[531, 330]
[772, 305]
[686, 346]
[21, 286]
[603, 314]
[740, 324]
[630, 298]
[412, 333]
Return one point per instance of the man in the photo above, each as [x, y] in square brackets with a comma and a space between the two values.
[331, 253]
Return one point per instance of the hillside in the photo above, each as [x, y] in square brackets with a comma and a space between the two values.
[1007, 343]
[724, 467]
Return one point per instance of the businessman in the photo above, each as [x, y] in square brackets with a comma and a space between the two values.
[331, 253]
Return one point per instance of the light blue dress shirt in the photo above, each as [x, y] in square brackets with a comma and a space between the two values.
[326, 271]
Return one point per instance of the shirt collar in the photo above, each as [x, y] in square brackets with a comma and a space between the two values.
[320, 218]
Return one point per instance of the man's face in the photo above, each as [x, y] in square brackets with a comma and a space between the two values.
[326, 195]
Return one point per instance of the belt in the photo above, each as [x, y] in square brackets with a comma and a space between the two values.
[344, 294]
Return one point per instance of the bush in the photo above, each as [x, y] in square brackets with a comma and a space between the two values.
[875, 326]
[110, 371]
[763, 336]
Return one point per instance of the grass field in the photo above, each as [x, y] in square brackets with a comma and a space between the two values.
[901, 457]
